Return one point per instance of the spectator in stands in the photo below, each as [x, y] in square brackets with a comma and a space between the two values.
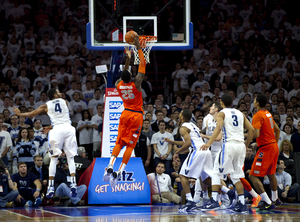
[159, 117]
[62, 184]
[81, 162]
[29, 187]
[6, 143]
[288, 131]
[93, 103]
[160, 185]
[162, 150]
[286, 150]
[286, 191]
[85, 135]
[8, 192]
[43, 117]
[174, 175]
[41, 171]
[77, 105]
[182, 79]
[96, 120]
[14, 128]
[25, 148]
[143, 148]
[249, 160]
[295, 138]
[146, 128]
[38, 90]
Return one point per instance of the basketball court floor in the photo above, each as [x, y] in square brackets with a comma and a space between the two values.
[144, 213]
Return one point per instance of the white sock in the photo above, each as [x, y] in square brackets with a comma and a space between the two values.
[214, 195]
[122, 167]
[219, 198]
[189, 196]
[274, 195]
[265, 198]
[242, 199]
[205, 195]
[51, 183]
[225, 189]
[112, 160]
[253, 193]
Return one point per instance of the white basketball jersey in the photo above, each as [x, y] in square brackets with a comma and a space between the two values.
[211, 125]
[233, 129]
[58, 111]
[196, 139]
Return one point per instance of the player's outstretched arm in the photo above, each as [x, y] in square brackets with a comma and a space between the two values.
[142, 67]
[42, 108]
[128, 57]
[250, 133]
[173, 142]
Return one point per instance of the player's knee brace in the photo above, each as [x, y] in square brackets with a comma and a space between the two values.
[71, 164]
[235, 180]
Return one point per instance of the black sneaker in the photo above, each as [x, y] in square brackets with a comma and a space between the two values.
[266, 206]
[277, 202]
[189, 207]
[241, 208]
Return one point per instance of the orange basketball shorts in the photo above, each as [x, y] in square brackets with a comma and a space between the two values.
[130, 127]
[265, 160]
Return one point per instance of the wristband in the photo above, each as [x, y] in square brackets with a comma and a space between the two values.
[38, 189]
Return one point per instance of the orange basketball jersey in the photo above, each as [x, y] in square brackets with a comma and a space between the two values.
[132, 98]
[263, 120]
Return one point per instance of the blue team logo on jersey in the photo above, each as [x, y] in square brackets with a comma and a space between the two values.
[113, 138]
[115, 104]
[113, 127]
[114, 116]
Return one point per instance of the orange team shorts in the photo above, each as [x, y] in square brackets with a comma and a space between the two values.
[265, 160]
[130, 127]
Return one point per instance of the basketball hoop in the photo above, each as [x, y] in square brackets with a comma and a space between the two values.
[146, 42]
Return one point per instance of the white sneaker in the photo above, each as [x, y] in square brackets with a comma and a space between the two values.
[203, 202]
[115, 178]
[50, 192]
[225, 204]
[108, 173]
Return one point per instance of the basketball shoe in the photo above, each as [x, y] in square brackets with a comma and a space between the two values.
[115, 178]
[108, 173]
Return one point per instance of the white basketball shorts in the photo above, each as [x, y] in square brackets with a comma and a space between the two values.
[231, 160]
[62, 136]
[198, 163]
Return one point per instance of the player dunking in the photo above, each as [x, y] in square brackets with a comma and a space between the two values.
[63, 135]
[231, 158]
[131, 119]
[265, 160]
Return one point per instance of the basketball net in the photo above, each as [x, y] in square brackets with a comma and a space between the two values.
[146, 43]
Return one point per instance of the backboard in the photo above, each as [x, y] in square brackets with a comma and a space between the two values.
[169, 20]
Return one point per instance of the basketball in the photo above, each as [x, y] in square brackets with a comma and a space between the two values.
[129, 37]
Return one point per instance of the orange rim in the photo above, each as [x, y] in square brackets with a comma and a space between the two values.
[146, 38]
